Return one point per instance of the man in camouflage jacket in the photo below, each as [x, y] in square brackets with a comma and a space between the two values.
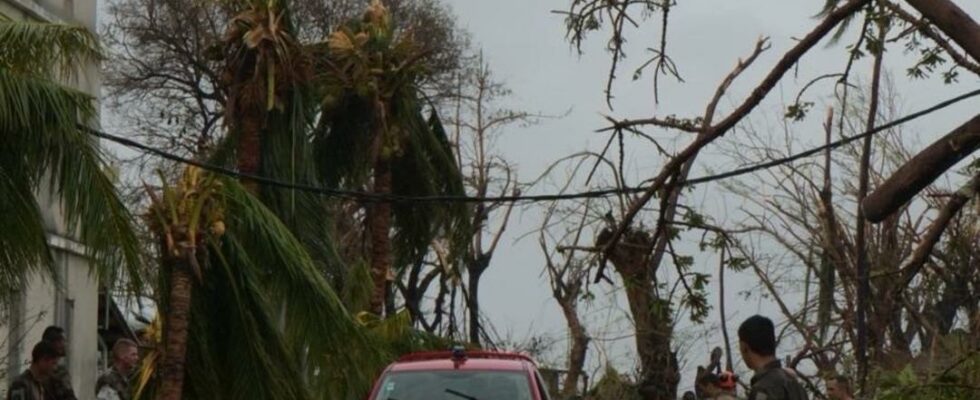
[114, 383]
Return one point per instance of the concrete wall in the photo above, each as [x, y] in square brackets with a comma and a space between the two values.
[71, 301]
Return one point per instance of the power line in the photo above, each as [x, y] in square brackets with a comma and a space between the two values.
[394, 198]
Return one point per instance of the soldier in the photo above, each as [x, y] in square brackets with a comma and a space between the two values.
[59, 386]
[30, 384]
[114, 383]
[757, 342]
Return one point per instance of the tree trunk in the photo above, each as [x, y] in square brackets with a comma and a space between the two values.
[475, 269]
[250, 151]
[379, 225]
[861, 234]
[175, 332]
[829, 262]
[651, 315]
[440, 304]
[577, 351]
[473, 307]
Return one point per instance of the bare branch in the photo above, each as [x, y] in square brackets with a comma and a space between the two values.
[760, 92]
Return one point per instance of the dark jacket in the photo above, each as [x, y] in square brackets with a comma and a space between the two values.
[59, 386]
[25, 387]
[774, 383]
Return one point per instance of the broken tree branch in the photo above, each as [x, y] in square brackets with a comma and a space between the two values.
[953, 21]
[922, 170]
[935, 231]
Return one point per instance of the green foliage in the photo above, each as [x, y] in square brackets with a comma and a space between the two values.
[958, 384]
[696, 300]
[264, 320]
[613, 386]
[798, 111]
[46, 150]
[372, 113]
[929, 60]
[45, 49]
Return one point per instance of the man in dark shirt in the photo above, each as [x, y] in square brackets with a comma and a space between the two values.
[757, 342]
[30, 384]
[59, 386]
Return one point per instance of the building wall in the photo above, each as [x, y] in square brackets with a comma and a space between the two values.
[71, 301]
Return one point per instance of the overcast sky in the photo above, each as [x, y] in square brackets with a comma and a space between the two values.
[524, 43]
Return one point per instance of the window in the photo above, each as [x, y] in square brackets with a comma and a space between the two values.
[455, 385]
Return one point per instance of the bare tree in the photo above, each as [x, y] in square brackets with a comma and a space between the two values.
[476, 120]
[585, 16]
[477, 123]
[568, 273]
[807, 221]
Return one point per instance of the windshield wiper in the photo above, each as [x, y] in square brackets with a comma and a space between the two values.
[463, 395]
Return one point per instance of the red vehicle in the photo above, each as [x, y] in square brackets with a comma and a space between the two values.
[461, 375]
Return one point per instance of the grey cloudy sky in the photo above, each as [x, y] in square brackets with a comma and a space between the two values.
[524, 43]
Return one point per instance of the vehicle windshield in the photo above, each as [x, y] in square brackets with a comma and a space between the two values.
[454, 385]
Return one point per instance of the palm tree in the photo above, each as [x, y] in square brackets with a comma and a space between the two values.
[267, 74]
[372, 130]
[221, 303]
[184, 219]
[47, 149]
[269, 113]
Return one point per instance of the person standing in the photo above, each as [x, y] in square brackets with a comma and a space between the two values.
[31, 384]
[114, 383]
[59, 386]
[757, 343]
[839, 388]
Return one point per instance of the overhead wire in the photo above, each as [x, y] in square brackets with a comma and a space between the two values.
[517, 198]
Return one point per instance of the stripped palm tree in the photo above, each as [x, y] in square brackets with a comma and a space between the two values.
[184, 219]
[224, 335]
[47, 149]
[373, 133]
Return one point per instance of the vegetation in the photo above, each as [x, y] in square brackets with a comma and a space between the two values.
[344, 199]
[46, 148]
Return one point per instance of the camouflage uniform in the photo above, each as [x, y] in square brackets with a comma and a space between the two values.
[59, 386]
[114, 381]
[25, 387]
[774, 383]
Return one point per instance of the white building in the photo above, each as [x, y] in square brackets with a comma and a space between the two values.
[73, 301]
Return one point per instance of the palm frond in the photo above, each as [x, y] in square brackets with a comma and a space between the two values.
[23, 245]
[40, 122]
[40, 49]
[342, 142]
[398, 334]
[316, 323]
[829, 7]
[264, 322]
[426, 168]
[287, 155]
